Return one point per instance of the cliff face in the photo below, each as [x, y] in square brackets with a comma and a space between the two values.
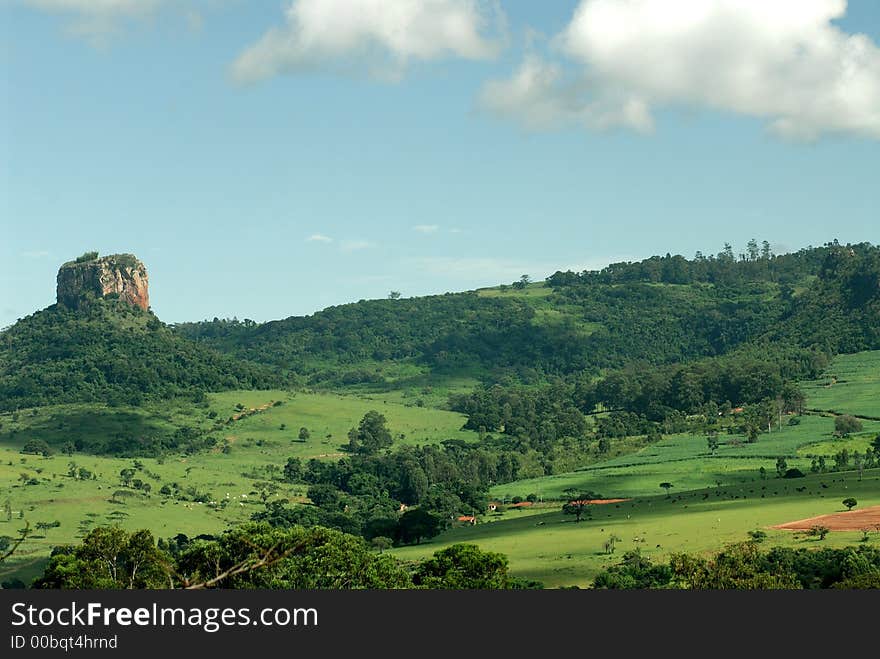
[120, 274]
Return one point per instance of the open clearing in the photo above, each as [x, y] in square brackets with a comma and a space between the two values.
[851, 520]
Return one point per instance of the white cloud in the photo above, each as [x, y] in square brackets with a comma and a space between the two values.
[539, 97]
[382, 36]
[785, 61]
[426, 228]
[356, 245]
[319, 238]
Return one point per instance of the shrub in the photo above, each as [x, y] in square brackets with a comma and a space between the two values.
[846, 424]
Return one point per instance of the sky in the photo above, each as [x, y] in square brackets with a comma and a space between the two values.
[268, 159]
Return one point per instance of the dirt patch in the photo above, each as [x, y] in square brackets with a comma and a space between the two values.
[600, 502]
[853, 520]
[252, 411]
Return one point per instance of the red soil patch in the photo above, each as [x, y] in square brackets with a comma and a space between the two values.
[853, 520]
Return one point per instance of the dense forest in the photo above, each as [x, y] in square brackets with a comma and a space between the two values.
[260, 556]
[114, 353]
[663, 310]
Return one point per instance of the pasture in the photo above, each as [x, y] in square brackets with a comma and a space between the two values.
[546, 545]
[214, 488]
[685, 461]
[851, 385]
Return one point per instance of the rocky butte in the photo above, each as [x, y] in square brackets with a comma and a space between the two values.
[122, 276]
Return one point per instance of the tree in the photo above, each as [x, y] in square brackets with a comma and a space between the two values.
[293, 470]
[752, 250]
[463, 567]
[8, 546]
[712, 442]
[394, 295]
[740, 566]
[609, 543]
[757, 535]
[380, 543]
[850, 503]
[126, 475]
[325, 496]
[304, 434]
[109, 558]
[781, 467]
[522, 282]
[370, 435]
[859, 461]
[846, 424]
[417, 524]
[259, 556]
[666, 487]
[579, 503]
[36, 447]
[818, 531]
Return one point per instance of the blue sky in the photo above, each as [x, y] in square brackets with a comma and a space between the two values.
[271, 159]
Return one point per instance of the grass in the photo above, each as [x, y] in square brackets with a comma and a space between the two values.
[684, 461]
[550, 547]
[849, 386]
[715, 499]
[531, 290]
[235, 480]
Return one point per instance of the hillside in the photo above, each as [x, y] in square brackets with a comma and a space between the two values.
[394, 419]
[663, 310]
[112, 353]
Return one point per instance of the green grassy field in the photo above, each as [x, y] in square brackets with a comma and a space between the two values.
[684, 461]
[715, 498]
[234, 480]
[851, 385]
[546, 545]
[699, 515]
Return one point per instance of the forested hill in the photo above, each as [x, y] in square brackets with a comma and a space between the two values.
[660, 311]
[110, 352]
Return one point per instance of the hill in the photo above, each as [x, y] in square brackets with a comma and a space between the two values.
[662, 310]
[112, 353]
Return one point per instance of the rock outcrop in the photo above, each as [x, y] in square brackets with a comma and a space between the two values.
[117, 275]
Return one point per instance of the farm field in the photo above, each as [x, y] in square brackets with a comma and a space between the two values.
[551, 547]
[685, 461]
[714, 497]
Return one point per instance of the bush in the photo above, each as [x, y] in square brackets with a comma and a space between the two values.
[846, 424]
[88, 256]
[36, 447]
